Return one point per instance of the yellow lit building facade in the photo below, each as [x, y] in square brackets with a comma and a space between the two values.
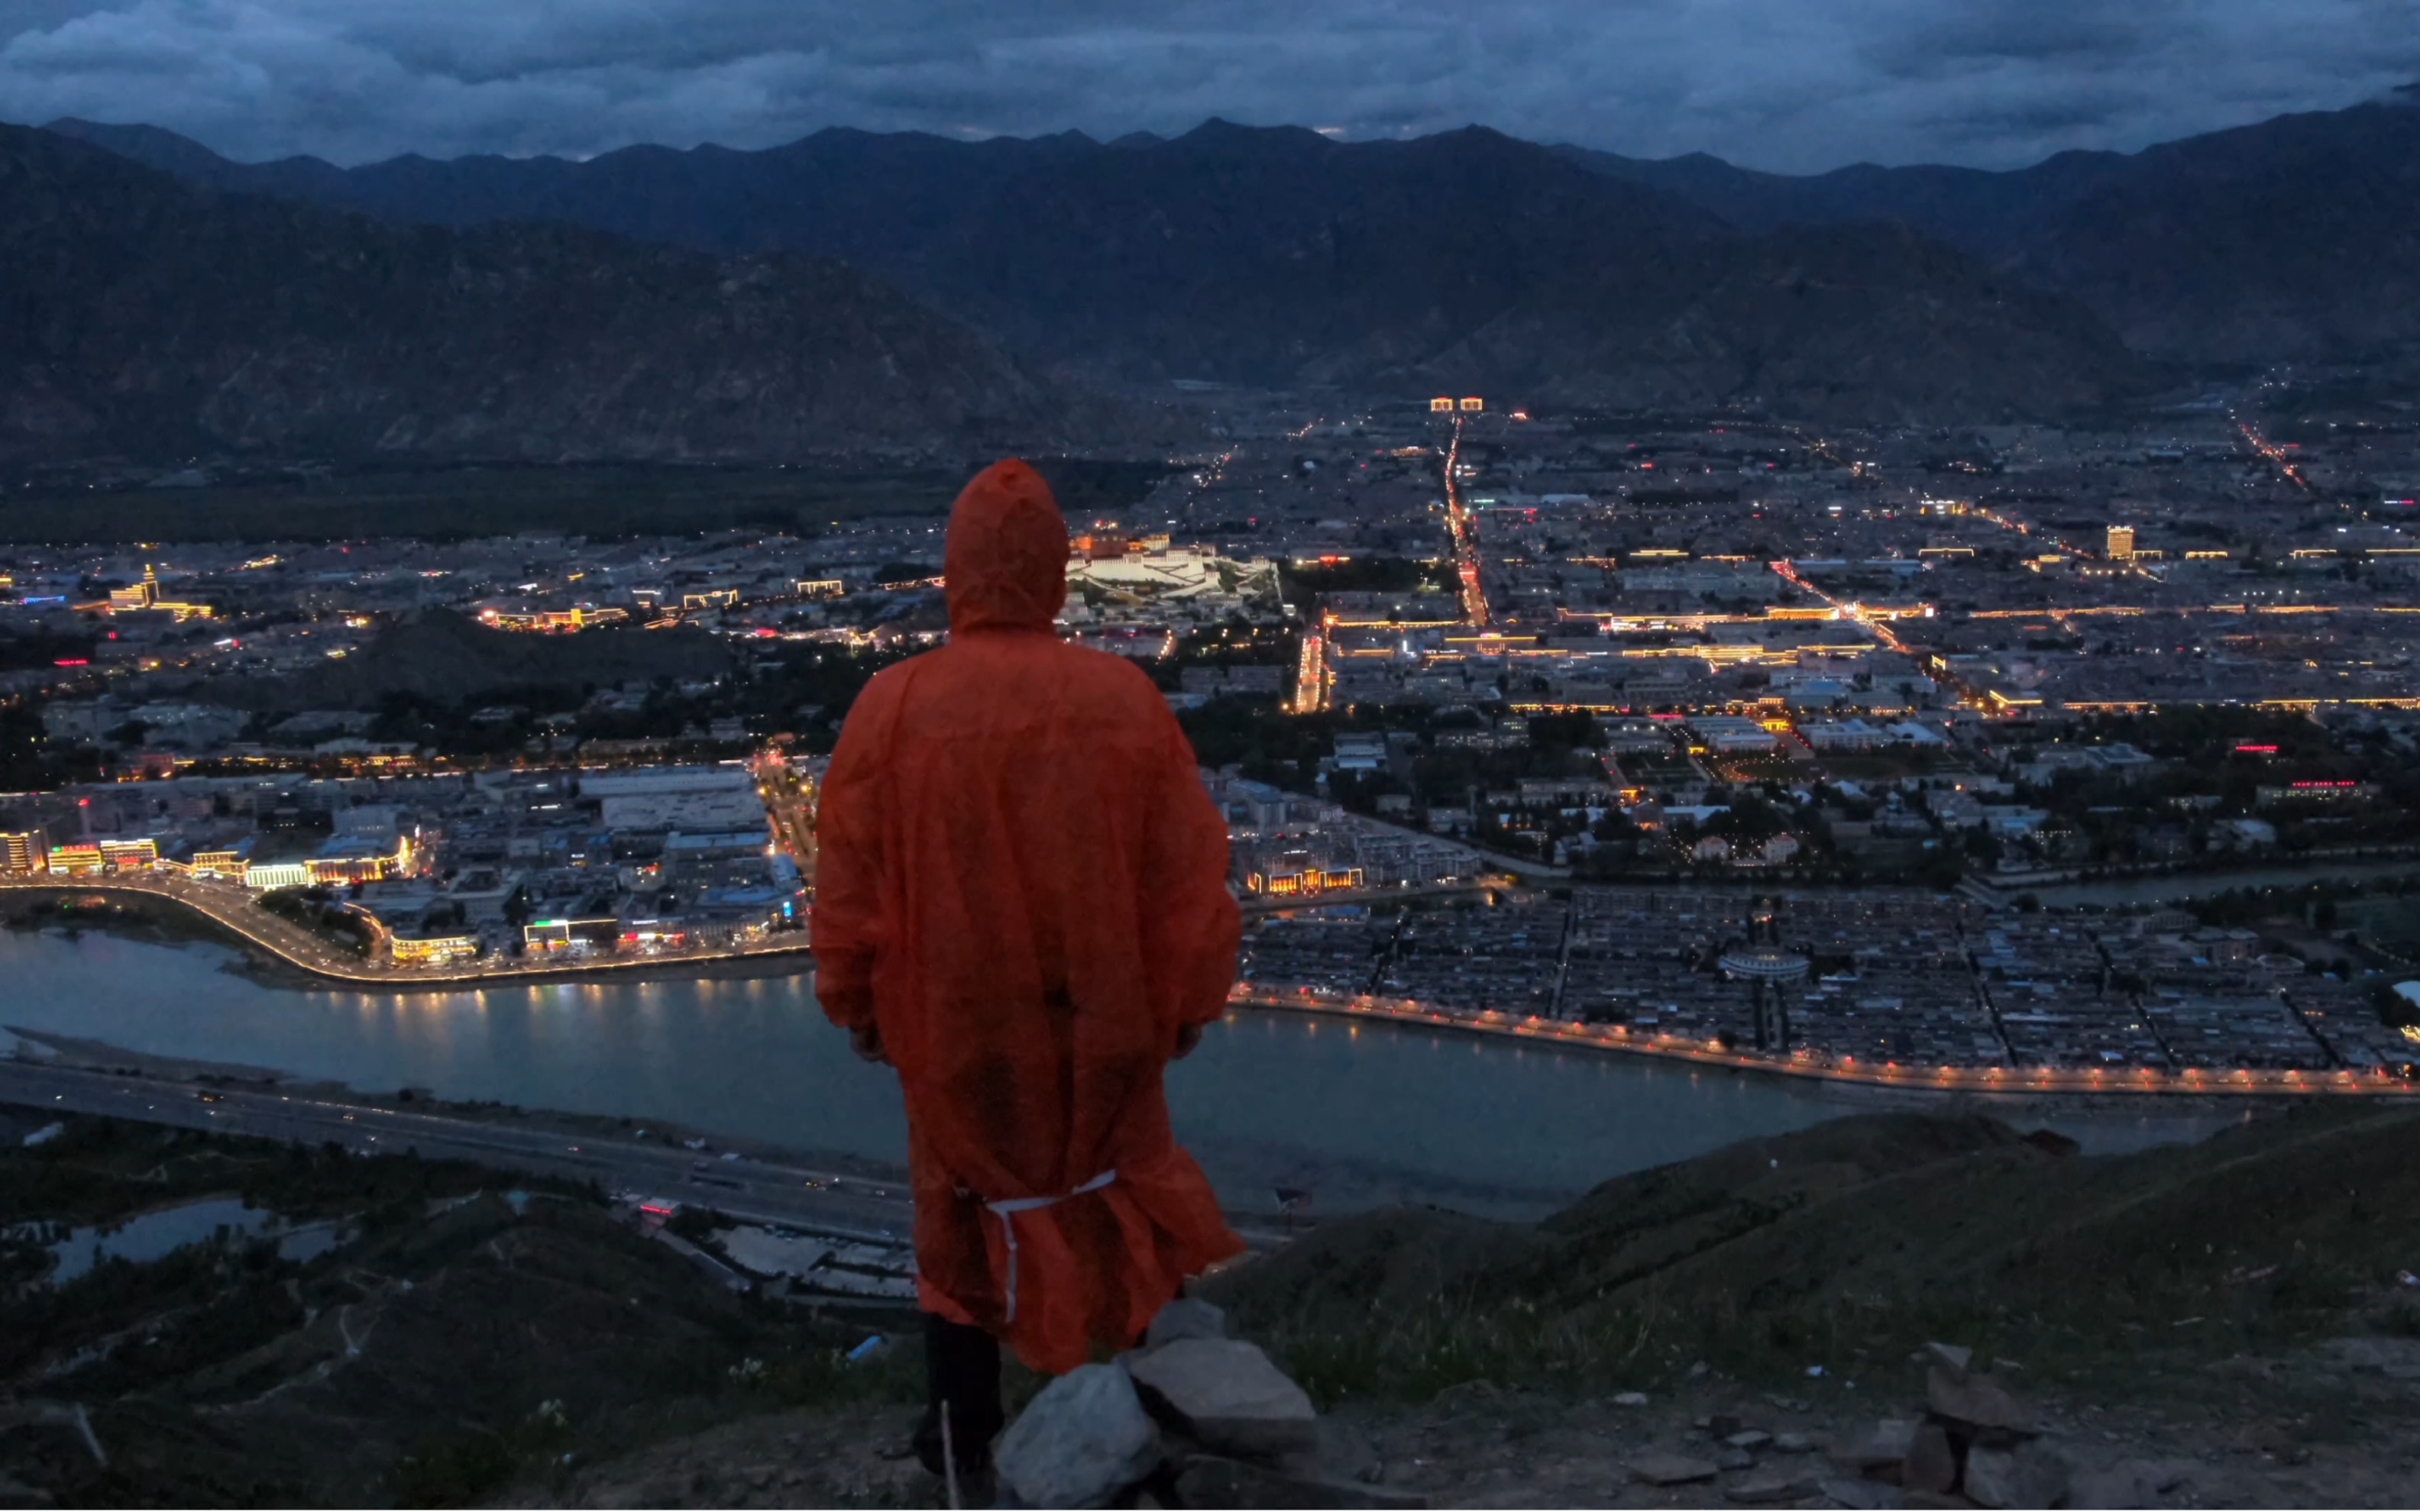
[23, 853]
[435, 950]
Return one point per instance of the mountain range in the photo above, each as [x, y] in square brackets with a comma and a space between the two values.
[984, 284]
[2296, 238]
[142, 318]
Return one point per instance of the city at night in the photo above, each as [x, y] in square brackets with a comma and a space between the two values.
[1385, 756]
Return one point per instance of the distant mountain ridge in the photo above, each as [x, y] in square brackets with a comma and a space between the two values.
[1275, 256]
[141, 317]
[2294, 239]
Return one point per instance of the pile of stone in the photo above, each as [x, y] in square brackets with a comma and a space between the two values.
[1976, 1440]
[1755, 1466]
[1192, 1419]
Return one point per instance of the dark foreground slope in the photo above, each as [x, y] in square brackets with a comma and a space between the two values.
[465, 1328]
[1462, 262]
[1852, 1242]
[471, 1337]
[144, 317]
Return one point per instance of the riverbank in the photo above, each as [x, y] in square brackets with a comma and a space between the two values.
[2199, 878]
[1361, 1114]
[183, 909]
[1991, 1080]
[2183, 885]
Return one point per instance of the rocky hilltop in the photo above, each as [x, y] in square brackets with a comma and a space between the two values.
[146, 318]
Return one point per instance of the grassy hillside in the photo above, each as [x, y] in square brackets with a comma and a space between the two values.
[465, 1329]
[1849, 1245]
[466, 1332]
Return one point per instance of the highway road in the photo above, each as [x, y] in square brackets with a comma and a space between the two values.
[834, 1204]
[823, 1202]
[790, 804]
[1465, 537]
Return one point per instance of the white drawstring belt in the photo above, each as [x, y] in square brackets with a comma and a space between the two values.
[1011, 1207]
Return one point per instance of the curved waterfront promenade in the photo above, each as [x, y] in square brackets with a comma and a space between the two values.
[234, 910]
[2008, 1080]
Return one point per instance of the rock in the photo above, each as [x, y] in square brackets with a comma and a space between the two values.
[1932, 1463]
[1865, 1495]
[1343, 1454]
[1885, 1444]
[1186, 1318]
[1723, 1425]
[1227, 1394]
[1794, 1443]
[1214, 1480]
[1464, 1393]
[1734, 1460]
[16, 1494]
[1082, 1442]
[1630, 1398]
[2120, 1486]
[1749, 1438]
[2031, 1474]
[1977, 1400]
[1657, 1467]
[1770, 1485]
[2362, 1356]
[1952, 1359]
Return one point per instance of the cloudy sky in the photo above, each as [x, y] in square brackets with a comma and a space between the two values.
[1788, 84]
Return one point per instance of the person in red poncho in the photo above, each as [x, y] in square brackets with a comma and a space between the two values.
[1021, 905]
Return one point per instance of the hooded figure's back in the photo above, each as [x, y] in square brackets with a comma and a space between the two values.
[1022, 883]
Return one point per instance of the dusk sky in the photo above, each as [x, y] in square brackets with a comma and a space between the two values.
[1795, 85]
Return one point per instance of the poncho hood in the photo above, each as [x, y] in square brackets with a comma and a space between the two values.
[1005, 561]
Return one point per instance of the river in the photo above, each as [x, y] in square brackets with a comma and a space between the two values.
[2182, 885]
[1357, 1115]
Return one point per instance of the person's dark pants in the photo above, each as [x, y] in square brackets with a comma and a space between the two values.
[961, 1368]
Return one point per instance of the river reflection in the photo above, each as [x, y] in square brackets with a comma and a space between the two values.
[1359, 1114]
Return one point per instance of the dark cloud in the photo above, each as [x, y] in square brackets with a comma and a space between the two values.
[1777, 83]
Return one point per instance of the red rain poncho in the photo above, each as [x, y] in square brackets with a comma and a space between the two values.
[1022, 885]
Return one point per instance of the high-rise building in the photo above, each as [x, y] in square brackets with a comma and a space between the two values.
[2121, 543]
[24, 852]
